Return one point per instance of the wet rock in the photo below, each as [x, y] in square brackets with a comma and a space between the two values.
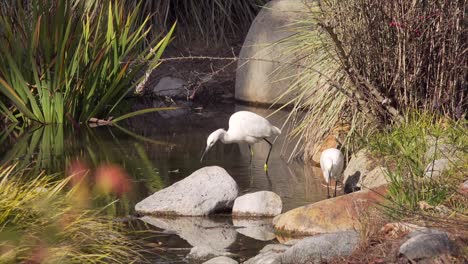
[358, 172]
[203, 253]
[198, 231]
[328, 216]
[435, 168]
[426, 245]
[259, 229]
[320, 248]
[182, 110]
[170, 86]
[206, 191]
[221, 260]
[263, 203]
[262, 54]
[270, 254]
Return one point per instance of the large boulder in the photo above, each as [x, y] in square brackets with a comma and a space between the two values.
[262, 203]
[318, 249]
[328, 216]
[363, 171]
[257, 77]
[206, 191]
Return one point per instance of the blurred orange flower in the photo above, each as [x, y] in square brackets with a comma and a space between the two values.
[112, 178]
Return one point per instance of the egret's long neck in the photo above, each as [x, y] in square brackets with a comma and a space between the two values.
[225, 137]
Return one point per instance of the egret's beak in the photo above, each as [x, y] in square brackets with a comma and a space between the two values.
[204, 152]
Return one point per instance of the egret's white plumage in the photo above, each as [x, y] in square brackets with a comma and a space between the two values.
[331, 162]
[244, 126]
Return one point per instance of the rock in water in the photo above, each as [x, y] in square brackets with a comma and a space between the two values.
[263, 203]
[320, 248]
[207, 190]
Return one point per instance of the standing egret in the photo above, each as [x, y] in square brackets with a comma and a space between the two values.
[246, 127]
[331, 162]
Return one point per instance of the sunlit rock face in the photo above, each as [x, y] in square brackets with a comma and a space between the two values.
[207, 190]
[262, 60]
[263, 203]
[327, 216]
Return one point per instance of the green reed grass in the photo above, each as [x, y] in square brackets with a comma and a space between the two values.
[405, 149]
[71, 58]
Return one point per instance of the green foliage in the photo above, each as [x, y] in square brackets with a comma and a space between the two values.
[40, 223]
[70, 58]
[364, 62]
[405, 149]
[210, 21]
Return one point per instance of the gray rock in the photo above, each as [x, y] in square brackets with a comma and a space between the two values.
[170, 86]
[205, 191]
[257, 77]
[435, 168]
[270, 254]
[363, 171]
[221, 260]
[426, 245]
[203, 253]
[441, 149]
[263, 203]
[198, 231]
[259, 229]
[320, 248]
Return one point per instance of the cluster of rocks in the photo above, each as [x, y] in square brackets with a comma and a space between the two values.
[327, 228]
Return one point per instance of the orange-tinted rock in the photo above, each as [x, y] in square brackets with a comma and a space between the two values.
[331, 215]
[314, 150]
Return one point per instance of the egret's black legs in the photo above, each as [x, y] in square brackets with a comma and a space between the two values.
[335, 188]
[328, 188]
[251, 154]
[268, 157]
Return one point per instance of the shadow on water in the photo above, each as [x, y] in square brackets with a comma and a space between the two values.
[161, 148]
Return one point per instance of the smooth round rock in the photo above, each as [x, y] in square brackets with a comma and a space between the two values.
[205, 191]
[263, 203]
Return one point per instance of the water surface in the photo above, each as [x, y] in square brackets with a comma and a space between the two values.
[162, 148]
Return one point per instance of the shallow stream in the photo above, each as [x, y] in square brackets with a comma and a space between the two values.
[159, 149]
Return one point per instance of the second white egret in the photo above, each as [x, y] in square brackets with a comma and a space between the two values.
[244, 126]
[331, 162]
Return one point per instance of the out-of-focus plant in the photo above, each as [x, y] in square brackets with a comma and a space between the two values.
[41, 222]
[71, 59]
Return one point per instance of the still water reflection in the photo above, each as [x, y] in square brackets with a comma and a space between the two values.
[161, 148]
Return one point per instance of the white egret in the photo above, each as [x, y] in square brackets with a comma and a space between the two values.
[246, 127]
[331, 162]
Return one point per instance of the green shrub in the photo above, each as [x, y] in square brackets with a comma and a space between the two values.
[368, 62]
[70, 58]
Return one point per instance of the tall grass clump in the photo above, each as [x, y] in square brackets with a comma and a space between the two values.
[410, 148]
[40, 222]
[72, 59]
[212, 22]
[369, 62]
